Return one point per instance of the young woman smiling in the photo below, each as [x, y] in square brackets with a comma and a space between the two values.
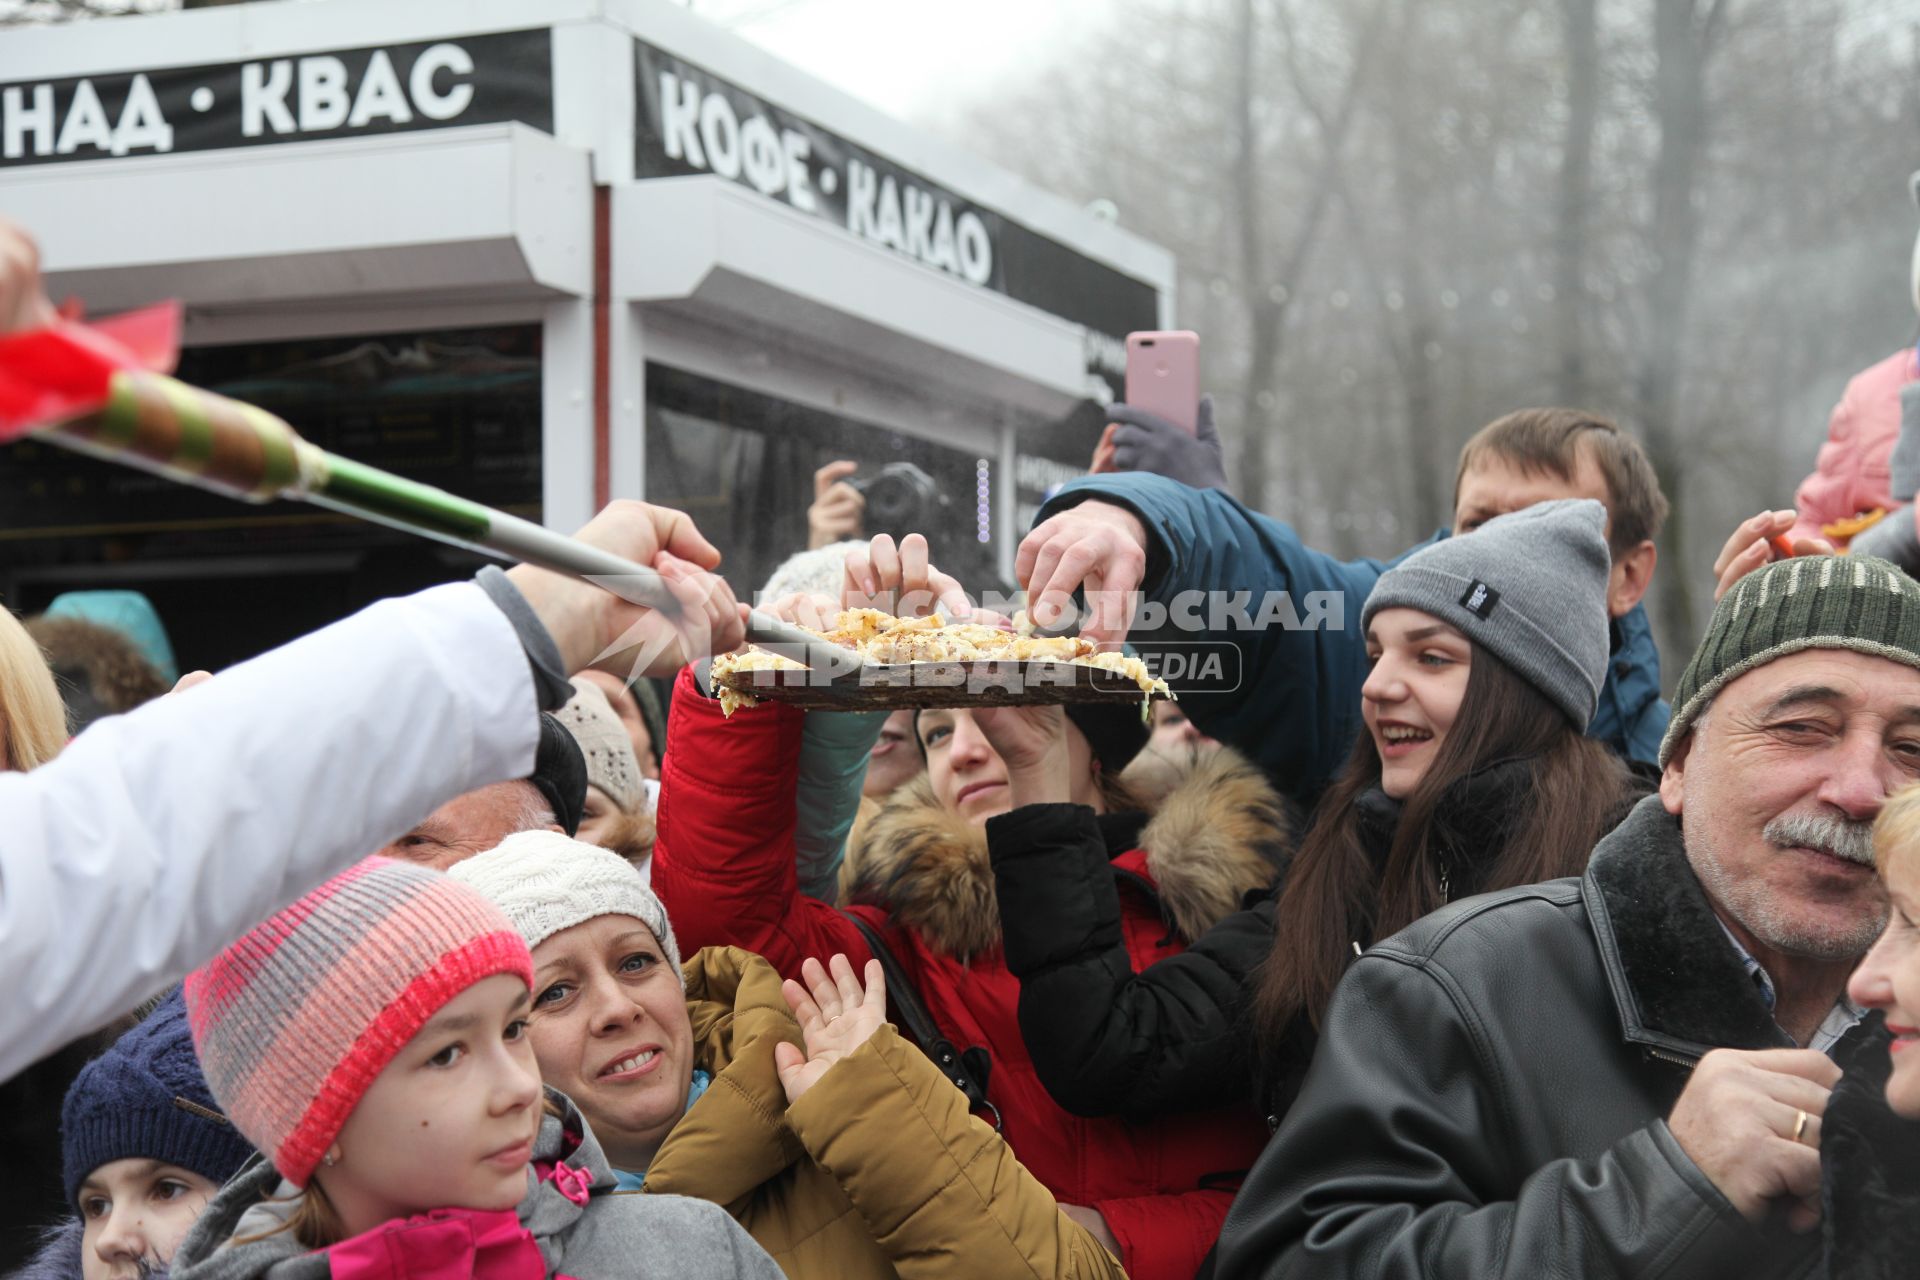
[1471, 773]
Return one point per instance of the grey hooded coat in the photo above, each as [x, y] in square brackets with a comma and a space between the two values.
[614, 1236]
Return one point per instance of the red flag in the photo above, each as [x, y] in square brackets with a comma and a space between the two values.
[64, 370]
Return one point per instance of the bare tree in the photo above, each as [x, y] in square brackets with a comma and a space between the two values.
[1269, 294]
[1570, 222]
[1684, 34]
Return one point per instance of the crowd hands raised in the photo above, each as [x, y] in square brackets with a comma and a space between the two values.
[1439, 946]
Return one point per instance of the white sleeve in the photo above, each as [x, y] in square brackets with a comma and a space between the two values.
[157, 838]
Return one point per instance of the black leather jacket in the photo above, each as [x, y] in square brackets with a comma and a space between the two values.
[1489, 1093]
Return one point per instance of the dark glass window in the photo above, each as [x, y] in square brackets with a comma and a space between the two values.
[741, 464]
[457, 408]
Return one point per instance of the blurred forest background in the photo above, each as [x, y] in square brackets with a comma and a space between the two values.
[1398, 219]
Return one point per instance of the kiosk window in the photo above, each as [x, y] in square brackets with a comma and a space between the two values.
[741, 464]
[457, 408]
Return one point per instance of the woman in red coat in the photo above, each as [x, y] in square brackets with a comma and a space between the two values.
[724, 866]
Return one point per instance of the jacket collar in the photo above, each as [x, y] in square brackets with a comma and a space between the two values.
[1630, 716]
[1470, 820]
[1678, 982]
[1218, 834]
[1870, 1162]
[736, 1137]
[258, 1200]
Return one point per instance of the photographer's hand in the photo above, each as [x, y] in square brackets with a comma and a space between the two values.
[837, 506]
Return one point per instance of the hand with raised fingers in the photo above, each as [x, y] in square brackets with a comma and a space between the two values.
[836, 1015]
[1032, 742]
[1751, 1120]
[1096, 548]
[1761, 540]
[838, 508]
[900, 580]
[593, 625]
[23, 297]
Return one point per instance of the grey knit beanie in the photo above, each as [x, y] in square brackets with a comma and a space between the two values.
[1807, 602]
[1529, 587]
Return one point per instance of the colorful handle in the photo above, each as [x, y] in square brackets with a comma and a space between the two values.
[163, 425]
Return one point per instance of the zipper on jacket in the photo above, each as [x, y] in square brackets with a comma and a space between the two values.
[1671, 1058]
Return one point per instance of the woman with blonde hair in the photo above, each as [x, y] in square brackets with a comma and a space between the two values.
[1868, 1131]
[33, 721]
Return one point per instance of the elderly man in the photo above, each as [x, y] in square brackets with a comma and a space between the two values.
[551, 798]
[1626, 1074]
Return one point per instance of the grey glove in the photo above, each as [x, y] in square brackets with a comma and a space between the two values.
[1904, 463]
[1148, 442]
[1891, 537]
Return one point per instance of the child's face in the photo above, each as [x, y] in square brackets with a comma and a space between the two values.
[450, 1122]
[610, 1026]
[136, 1212]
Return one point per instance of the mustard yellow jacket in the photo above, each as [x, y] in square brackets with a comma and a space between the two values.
[878, 1171]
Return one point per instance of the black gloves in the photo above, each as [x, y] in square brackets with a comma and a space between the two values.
[1148, 442]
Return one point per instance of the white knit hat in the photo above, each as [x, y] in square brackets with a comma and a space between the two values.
[546, 882]
[816, 572]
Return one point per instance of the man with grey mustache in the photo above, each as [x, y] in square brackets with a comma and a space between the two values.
[1629, 1074]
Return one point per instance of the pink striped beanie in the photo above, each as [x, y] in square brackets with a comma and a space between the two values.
[295, 1020]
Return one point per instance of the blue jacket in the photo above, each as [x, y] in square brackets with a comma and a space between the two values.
[1295, 708]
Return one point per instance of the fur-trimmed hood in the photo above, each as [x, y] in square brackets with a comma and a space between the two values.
[59, 1256]
[1219, 831]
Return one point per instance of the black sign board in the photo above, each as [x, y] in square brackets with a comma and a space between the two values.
[690, 122]
[346, 93]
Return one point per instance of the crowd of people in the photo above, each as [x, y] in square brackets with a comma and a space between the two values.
[1439, 945]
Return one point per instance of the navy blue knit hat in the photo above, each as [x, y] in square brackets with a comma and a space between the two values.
[145, 1099]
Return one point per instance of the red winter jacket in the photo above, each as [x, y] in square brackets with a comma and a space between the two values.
[723, 864]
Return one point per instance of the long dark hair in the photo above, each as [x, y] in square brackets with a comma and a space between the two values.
[1574, 791]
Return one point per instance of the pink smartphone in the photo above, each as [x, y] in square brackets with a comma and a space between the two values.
[1163, 374]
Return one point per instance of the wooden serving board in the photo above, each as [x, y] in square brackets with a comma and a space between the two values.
[939, 684]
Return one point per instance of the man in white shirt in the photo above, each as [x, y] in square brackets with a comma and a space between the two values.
[158, 837]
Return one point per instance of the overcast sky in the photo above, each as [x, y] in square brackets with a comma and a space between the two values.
[912, 58]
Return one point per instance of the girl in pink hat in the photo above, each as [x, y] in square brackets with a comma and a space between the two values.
[371, 1041]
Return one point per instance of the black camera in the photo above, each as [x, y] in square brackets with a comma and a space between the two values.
[901, 498]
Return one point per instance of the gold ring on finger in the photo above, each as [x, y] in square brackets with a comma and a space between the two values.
[1799, 1125]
